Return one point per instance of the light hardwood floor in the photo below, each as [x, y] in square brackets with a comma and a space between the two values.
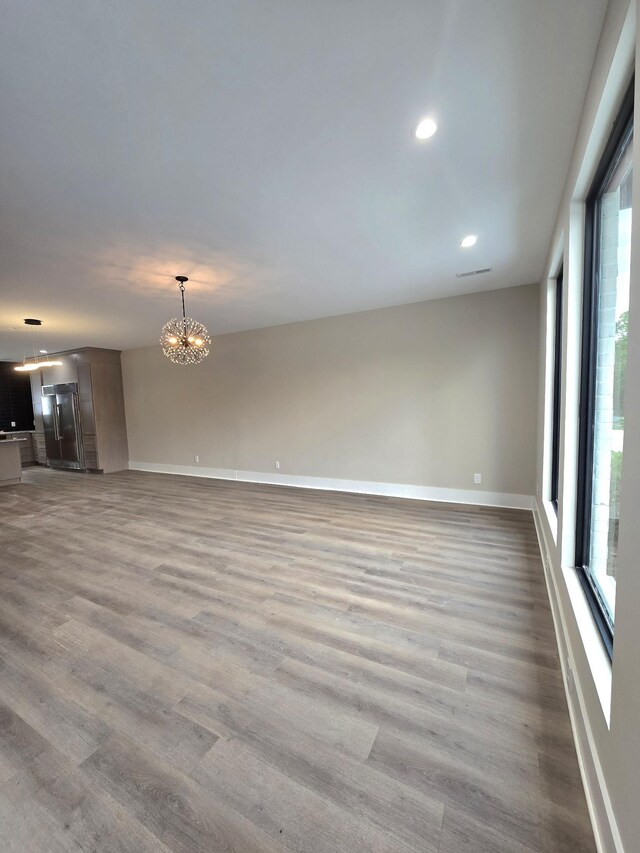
[195, 665]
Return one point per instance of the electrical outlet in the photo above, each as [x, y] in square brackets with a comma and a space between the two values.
[277, 464]
[13, 423]
[196, 458]
[477, 479]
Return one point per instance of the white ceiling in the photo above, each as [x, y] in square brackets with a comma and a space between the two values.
[264, 149]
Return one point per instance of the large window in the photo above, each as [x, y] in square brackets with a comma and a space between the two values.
[557, 391]
[605, 324]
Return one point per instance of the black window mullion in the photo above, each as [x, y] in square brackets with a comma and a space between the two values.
[587, 385]
[557, 391]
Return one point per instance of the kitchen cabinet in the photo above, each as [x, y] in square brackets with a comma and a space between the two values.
[97, 375]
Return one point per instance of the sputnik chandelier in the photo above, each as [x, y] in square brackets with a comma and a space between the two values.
[184, 340]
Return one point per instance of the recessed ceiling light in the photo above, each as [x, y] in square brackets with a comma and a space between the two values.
[43, 351]
[425, 129]
[468, 241]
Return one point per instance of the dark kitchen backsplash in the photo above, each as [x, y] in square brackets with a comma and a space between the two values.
[15, 398]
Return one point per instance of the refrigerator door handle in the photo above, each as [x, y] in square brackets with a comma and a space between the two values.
[56, 420]
[78, 429]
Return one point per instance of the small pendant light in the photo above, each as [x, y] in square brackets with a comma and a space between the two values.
[28, 366]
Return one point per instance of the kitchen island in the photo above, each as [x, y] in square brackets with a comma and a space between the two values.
[10, 462]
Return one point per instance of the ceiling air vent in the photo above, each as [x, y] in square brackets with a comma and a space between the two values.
[474, 272]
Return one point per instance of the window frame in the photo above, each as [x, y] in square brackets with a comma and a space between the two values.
[557, 392]
[622, 127]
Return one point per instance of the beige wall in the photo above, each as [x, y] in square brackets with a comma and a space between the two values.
[422, 394]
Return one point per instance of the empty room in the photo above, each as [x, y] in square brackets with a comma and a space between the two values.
[319, 427]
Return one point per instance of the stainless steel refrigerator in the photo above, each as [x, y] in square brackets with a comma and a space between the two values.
[63, 437]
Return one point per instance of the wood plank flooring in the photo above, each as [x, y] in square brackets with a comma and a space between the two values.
[195, 665]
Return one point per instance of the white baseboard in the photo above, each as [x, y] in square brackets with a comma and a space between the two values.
[603, 821]
[392, 490]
